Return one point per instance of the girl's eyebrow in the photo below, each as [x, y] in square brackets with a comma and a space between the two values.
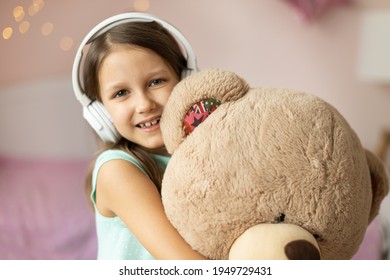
[111, 88]
[159, 70]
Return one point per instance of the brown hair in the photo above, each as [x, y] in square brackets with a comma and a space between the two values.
[150, 35]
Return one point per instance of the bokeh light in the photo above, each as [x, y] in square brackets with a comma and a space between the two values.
[141, 5]
[24, 26]
[47, 28]
[66, 43]
[35, 7]
[7, 33]
[18, 13]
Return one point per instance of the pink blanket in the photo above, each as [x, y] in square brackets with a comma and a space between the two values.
[44, 213]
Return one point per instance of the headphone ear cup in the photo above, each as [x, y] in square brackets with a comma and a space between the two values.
[98, 117]
[186, 72]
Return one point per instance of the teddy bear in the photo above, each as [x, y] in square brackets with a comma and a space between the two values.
[265, 173]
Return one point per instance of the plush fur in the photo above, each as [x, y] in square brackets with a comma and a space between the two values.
[266, 156]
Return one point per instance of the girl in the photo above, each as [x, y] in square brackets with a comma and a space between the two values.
[131, 69]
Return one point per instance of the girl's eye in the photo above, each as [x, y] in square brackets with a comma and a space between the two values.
[121, 93]
[156, 82]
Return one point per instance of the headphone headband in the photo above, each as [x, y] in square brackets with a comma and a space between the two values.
[93, 111]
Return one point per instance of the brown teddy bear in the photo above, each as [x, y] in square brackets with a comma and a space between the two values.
[265, 173]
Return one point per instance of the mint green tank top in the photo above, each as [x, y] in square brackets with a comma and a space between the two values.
[115, 240]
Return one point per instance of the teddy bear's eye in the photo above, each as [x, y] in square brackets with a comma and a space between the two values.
[280, 218]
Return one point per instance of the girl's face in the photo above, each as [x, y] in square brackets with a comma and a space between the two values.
[135, 84]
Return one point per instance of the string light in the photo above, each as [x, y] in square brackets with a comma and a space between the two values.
[7, 33]
[66, 43]
[24, 26]
[47, 28]
[35, 7]
[18, 13]
[141, 5]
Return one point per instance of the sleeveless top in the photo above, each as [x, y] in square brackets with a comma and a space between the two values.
[115, 240]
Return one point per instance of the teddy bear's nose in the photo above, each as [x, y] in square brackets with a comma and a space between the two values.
[275, 242]
[301, 250]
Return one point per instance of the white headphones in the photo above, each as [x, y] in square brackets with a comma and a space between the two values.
[93, 110]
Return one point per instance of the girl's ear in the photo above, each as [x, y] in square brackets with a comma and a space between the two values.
[202, 91]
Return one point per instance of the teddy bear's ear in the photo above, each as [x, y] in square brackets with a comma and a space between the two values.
[203, 91]
[379, 182]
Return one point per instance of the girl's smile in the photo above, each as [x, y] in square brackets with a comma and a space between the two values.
[149, 125]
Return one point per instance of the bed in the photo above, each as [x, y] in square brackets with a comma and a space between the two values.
[44, 212]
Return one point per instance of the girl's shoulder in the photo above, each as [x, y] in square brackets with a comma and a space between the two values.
[105, 157]
[115, 154]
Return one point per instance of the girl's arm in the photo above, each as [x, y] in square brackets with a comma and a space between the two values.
[123, 190]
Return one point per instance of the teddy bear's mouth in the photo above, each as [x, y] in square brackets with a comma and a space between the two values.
[280, 218]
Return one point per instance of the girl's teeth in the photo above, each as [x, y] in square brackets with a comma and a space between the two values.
[148, 124]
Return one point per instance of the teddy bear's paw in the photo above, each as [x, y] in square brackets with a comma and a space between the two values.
[275, 242]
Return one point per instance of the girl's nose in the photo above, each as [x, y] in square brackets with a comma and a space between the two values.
[144, 103]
